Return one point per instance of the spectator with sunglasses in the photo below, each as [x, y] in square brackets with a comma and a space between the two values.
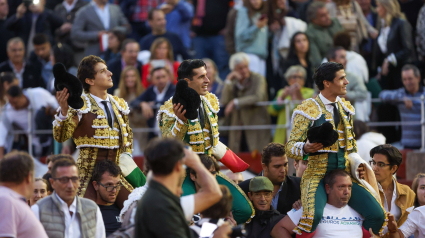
[107, 183]
[63, 213]
[396, 198]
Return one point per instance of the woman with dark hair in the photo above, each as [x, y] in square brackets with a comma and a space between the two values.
[299, 53]
[418, 186]
[115, 39]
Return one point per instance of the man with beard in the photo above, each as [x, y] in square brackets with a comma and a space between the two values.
[107, 183]
[286, 189]
[63, 213]
[339, 219]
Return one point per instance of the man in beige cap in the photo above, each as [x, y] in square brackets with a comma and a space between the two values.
[266, 219]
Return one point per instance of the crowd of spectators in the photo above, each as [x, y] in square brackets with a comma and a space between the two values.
[255, 51]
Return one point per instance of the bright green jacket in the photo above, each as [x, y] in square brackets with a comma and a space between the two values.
[280, 112]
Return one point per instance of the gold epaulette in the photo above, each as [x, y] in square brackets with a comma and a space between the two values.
[212, 101]
[308, 108]
[347, 106]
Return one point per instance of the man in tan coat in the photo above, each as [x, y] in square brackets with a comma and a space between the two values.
[242, 90]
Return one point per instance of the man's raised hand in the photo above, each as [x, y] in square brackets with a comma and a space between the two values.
[62, 97]
[179, 112]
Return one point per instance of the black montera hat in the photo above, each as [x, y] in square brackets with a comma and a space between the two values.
[324, 134]
[187, 97]
[63, 79]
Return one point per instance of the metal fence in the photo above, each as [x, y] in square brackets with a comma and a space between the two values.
[30, 132]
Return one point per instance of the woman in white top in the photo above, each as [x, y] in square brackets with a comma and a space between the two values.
[394, 46]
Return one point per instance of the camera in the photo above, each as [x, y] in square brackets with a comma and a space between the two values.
[238, 231]
[27, 3]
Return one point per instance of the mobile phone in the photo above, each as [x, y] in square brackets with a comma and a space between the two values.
[263, 16]
[157, 63]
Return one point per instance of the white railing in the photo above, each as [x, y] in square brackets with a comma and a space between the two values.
[30, 132]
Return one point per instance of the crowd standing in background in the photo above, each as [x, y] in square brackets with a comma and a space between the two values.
[253, 52]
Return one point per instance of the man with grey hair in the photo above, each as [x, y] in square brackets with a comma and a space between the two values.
[28, 75]
[410, 110]
[320, 31]
[242, 90]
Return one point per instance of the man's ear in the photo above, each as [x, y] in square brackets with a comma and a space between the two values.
[90, 81]
[187, 80]
[265, 169]
[192, 177]
[95, 185]
[30, 178]
[52, 182]
[328, 189]
[394, 169]
[295, 164]
[250, 196]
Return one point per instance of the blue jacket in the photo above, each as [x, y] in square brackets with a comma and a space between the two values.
[411, 135]
[150, 96]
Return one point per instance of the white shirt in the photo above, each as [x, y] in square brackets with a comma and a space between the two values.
[395, 210]
[382, 42]
[336, 222]
[72, 223]
[103, 14]
[160, 95]
[20, 117]
[19, 74]
[415, 223]
[329, 107]
[69, 7]
[100, 104]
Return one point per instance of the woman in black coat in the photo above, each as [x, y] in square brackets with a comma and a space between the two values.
[299, 53]
[394, 45]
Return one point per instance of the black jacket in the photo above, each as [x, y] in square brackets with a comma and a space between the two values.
[263, 223]
[115, 67]
[290, 193]
[399, 42]
[47, 23]
[4, 37]
[31, 77]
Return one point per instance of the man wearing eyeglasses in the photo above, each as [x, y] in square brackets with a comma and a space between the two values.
[266, 217]
[396, 198]
[107, 183]
[63, 213]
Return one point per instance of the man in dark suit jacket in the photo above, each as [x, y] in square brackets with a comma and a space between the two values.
[21, 23]
[5, 34]
[160, 91]
[29, 76]
[129, 50]
[275, 167]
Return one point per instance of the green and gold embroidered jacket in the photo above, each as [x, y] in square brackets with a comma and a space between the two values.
[90, 131]
[312, 112]
[191, 133]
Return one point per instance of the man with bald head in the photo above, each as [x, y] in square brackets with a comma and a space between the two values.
[28, 75]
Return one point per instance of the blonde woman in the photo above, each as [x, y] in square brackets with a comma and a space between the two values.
[161, 56]
[394, 46]
[129, 88]
[350, 15]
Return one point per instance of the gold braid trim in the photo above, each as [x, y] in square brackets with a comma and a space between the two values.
[220, 174]
[316, 170]
[85, 162]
